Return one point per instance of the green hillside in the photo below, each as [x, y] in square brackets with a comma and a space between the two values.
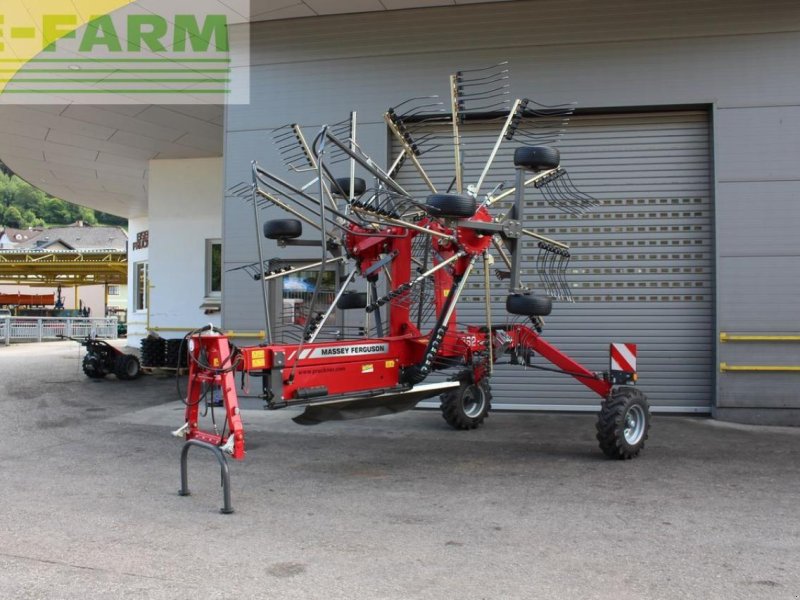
[22, 206]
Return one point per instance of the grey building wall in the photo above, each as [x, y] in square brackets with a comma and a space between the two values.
[738, 57]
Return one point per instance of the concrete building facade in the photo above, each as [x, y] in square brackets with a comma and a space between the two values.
[687, 131]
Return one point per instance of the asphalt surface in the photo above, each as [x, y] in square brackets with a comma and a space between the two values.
[394, 507]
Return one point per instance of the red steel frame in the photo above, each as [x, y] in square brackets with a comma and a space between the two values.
[315, 372]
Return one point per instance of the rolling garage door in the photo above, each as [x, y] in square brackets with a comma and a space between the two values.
[642, 266]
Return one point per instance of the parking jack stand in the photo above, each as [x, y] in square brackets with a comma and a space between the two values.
[224, 472]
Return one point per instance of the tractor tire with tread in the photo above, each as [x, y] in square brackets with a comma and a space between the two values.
[127, 367]
[467, 406]
[92, 367]
[623, 423]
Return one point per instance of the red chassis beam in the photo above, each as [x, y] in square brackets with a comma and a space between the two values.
[305, 372]
[527, 338]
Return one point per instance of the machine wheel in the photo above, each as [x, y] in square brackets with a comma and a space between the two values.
[529, 306]
[93, 366]
[467, 406]
[537, 158]
[342, 187]
[623, 423]
[350, 300]
[126, 367]
[283, 229]
[451, 205]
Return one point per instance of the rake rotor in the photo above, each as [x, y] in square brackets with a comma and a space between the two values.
[356, 209]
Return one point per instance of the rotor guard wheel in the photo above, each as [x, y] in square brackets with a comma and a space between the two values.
[623, 423]
[350, 300]
[467, 406]
[127, 367]
[537, 158]
[341, 187]
[93, 366]
[283, 229]
[529, 306]
[451, 206]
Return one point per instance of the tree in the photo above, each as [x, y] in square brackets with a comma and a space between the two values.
[22, 205]
[12, 217]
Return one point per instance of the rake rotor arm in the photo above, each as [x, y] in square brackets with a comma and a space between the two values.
[313, 161]
[367, 164]
[329, 311]
[547, 240]
[265, 177]
[269, 275]
[513, 115]
[525, 337]
[289, 209]
[409, 152]
[406, 224]
[455, 107]
[502, 252]
[416, 281]
[528, 182]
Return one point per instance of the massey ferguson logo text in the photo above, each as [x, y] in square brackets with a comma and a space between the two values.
[354, 350]
[351, 350]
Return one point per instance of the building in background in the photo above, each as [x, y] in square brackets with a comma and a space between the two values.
[687, 130]
[98, 294]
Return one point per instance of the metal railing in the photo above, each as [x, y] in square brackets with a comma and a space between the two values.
[51, 328]
[758, 337]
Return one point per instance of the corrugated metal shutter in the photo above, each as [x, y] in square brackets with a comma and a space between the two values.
[643, 262]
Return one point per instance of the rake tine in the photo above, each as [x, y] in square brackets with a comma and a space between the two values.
[541, 269]
[479, 69]
[563, 271]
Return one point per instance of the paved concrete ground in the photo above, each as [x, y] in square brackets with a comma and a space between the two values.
[396, 507]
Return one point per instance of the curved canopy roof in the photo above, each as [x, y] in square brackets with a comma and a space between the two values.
[98, 155]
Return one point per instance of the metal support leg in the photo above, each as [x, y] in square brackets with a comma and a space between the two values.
[223, 465]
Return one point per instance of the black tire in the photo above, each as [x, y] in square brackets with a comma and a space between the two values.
[467, 406]
[283, 229]
[537, 158]
[350, 300]
[529, 306]
[153, 351]
[451, 206]
[127, 367]
[342, 187]
[623, 423]
[93, 366]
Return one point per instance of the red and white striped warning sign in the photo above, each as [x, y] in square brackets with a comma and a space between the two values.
[623, 357]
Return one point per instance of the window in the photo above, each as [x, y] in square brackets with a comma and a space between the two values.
[213, 268]
[298, 290]
[113, 290]
[140, 292]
